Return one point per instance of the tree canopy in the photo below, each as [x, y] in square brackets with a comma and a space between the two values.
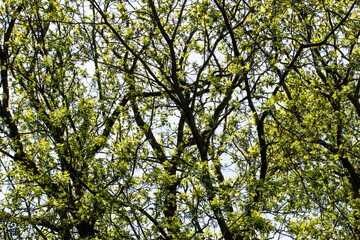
[180, 119]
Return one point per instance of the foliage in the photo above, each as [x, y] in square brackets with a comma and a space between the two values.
[180, 119]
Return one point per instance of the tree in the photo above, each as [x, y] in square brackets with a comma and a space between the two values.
[180, 119]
